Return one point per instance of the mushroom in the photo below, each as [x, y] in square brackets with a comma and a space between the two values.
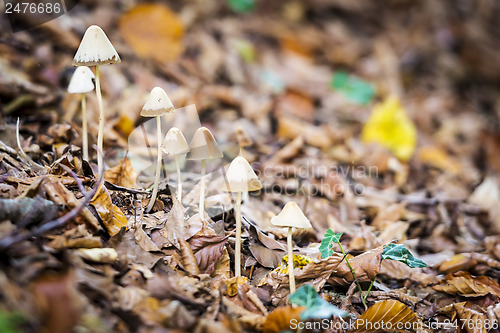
[240, 178]
[95, 49]
[203, 147]
[157, 105]
[175, 144]
[81, 83]
[242, 138]
[291, 216]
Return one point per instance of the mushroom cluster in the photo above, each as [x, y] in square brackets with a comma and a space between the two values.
[95, 49]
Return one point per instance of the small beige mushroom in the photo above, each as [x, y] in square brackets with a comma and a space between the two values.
[81, 83]
[291, 216]
[95, 49]
[175, 144]
[203, 147]
[240, 179]
[157, 105]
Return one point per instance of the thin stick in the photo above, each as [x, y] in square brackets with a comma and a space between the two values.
[202, 191]
[291, 276]
[158, 166]
[179, 180]
[237, 254]
[100, 135]
[85, 143]
[32, 163]
[354, 275]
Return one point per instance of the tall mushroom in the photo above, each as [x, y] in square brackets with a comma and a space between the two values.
[203, 147]
[291, 216]
[95, 49]
[157, 105]
[81, 83]
[241, 179]
[175, 144]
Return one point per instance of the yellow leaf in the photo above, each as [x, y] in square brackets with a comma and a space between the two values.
[112, 217]
[386, 316]
[122, 175]
[390, 126]
[153, 31]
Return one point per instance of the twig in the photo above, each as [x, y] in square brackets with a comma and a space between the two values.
[32, 163]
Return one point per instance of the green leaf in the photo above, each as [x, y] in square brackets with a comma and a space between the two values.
[241, 6]
[356, 90]
[400, 253]
[316, 306]
[327, 243]
[10, 321]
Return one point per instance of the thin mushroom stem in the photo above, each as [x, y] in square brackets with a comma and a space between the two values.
[85, 143]
[179, 180]
[100, 135]
[158, 166]
[202, 190]
[291, 276]
[237, 253]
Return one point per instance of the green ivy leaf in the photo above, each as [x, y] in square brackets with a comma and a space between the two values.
[356, 90]
[241, 6]
[400, 253]
[316, 306]
[327, 243]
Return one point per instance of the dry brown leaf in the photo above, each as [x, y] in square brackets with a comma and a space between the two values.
[104, 256]
[388, 215]
[144, 241]
[176, 227]
[386, 315]
[366, 266]
[234, 284]
[207, 251]
[122, 175]
[467, 261]
[279, 320]
[188, 259]
[464, 284]
[112, 217]
[468, 317]
[223, 266]
[153, 31]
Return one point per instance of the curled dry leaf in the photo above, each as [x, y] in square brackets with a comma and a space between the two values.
[153, 31]
[366, 266]
[469, 317]
[103, 256]
[112, 217]
[188, 259]
[279, 320]
[386, 315]
[464, 284]
[122, 175]
[207, 251]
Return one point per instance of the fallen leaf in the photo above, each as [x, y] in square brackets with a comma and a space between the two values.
[279, 320]
[316, 306]
[464, 284]
[112, 217]
[100, 255]
[366, 266]
[468, 317]
[207, 250]
[188, 259]
[390, 126]
[122, 175]
[438, 158]
[234, 284]
[387, 316]
[354, 89]
[153, 31]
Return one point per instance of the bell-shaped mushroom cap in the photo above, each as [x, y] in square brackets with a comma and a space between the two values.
[291, 216]
[242, 137]
[241, 177]
[157, 103]
[175, 142]
[203, 146]
[81, 81]
[95, 49]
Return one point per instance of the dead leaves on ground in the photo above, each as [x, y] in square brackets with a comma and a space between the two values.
[388, 316]
[111, 216]
[464, 284]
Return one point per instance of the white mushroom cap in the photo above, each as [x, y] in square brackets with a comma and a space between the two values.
[241, 177]
[291, 216]
[157, 103]
[95, 49]
[81, 81]
[175, 142]
[203, 146]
